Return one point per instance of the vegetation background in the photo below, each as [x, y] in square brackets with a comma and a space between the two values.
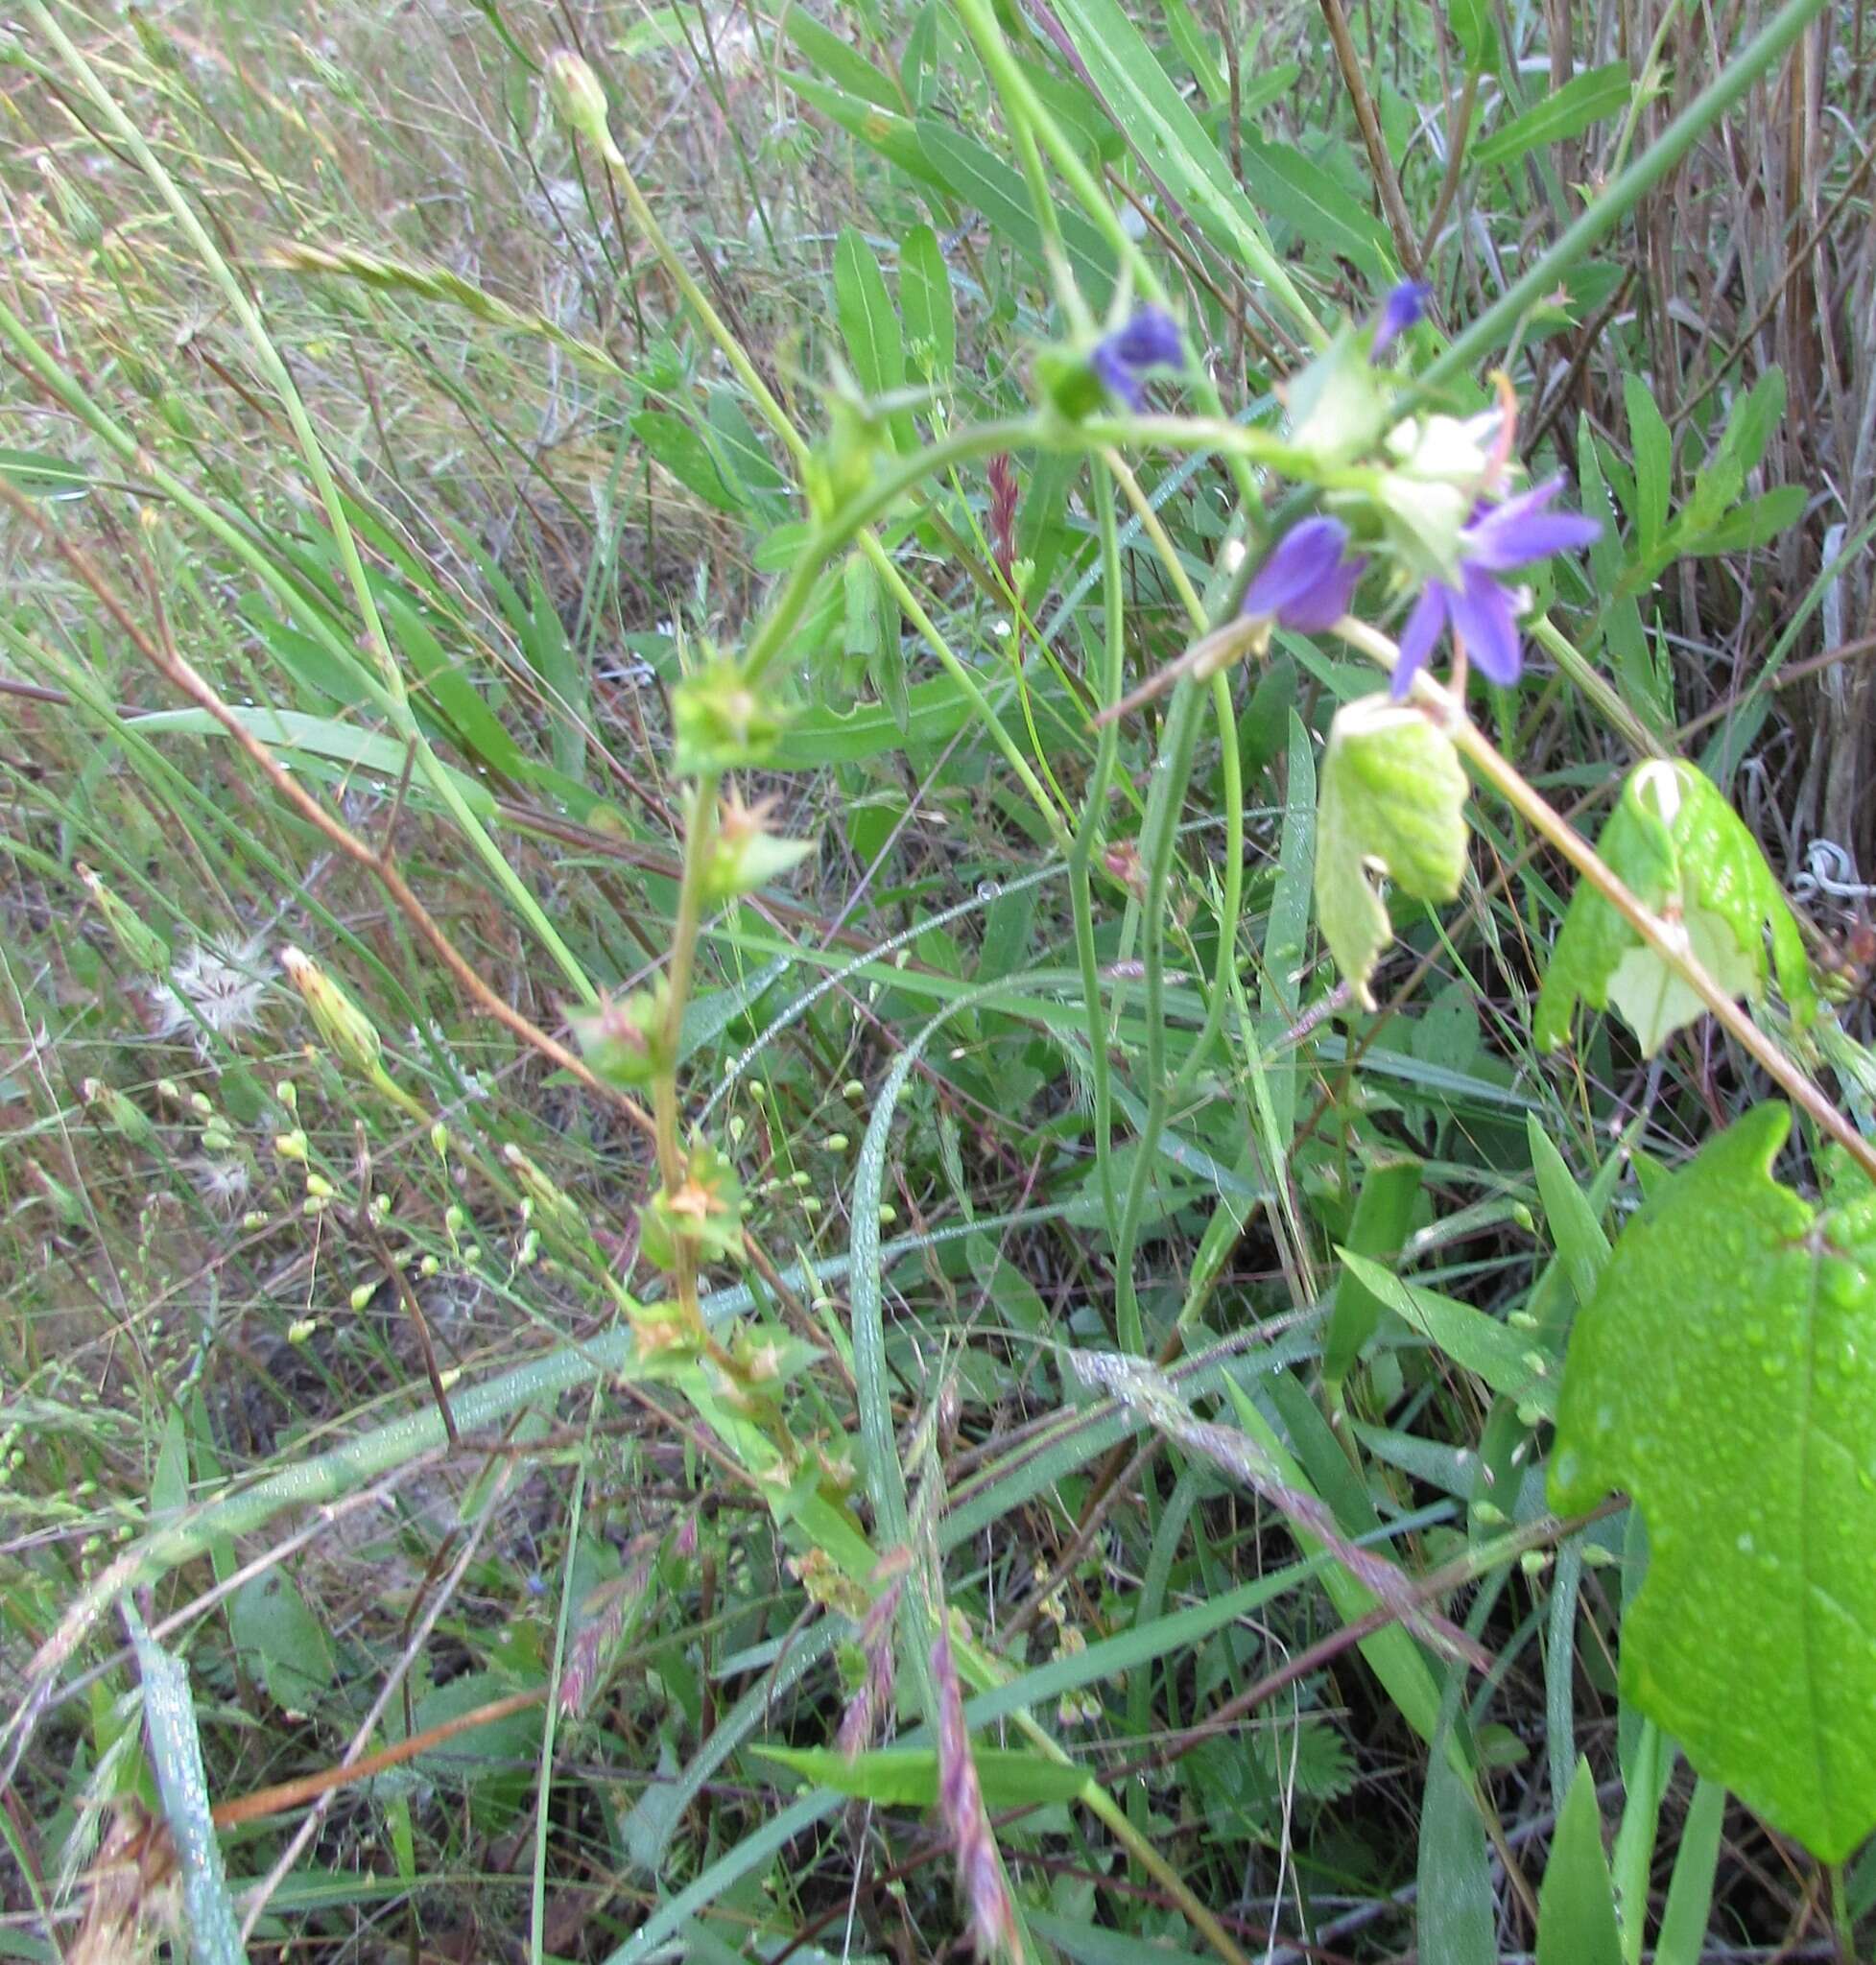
[268, 264]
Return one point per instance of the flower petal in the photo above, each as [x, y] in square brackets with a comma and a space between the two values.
[1117, 376]
[1299, 562]
[1417, 638]
[1399, 311]
[1521, 530]
[1483, 615]
[1325, 603]
[1150, 340]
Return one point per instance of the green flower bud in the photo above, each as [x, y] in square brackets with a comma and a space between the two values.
[623, 1039]
[1065, 380]
[547, 1198]
[146, 949]
[744, 856]
[705, 1211]
[349, 1034]
[123, 1113]
[579, 101]
[723, 720]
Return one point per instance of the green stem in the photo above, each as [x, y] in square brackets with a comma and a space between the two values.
[1094, 813]
[1172, 770]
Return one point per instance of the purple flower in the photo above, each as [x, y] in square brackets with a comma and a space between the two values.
[1500, 539]
[1308, 580]
[1150, 340]
[1399, 311]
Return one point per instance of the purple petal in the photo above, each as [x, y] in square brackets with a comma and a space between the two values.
[1522, 530]
[1149, 340]
[1483, 616]
[1417, 638]
[1326, 602]
[1116, 377]
[1302, 560]
[1399, 311]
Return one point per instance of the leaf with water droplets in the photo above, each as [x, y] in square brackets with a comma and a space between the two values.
[1724, 1377]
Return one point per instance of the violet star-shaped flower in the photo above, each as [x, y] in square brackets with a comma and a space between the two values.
[1479, 610]
[1149, 340]
[1308, 580]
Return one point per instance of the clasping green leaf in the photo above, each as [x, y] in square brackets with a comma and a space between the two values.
[1393, 803]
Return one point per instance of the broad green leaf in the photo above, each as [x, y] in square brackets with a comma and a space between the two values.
[925, 300]
[1393, 802]
[687, 456]
[1576, 1903]
[1653, 445]
[1754, 416]
[543, 641]
[169, 1717]
[872, 636]
[935, 710]
[907, 1776]
[1723, 1377]
[1682, 1936]
[438, 677]
[744, 459]
[1573, 1227]
[1384, 1212]
[1750, 524]
[1195, 46]
[1301, 195]
[1472, 25]
[282, 1640]
[1458, 1919]
[1682, 850]
[322, 737]
[977, 177]
[39, 474]
[1582, 100]
[918, 63]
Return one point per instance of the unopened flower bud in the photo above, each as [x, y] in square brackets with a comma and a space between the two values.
[140, 942]
[744, 855]
[623, 1039]
[349, 1034]
[579, 100]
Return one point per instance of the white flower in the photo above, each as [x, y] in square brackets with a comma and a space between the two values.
[220, 1183]
[214, 986]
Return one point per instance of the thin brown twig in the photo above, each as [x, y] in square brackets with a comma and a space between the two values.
[1380, 163]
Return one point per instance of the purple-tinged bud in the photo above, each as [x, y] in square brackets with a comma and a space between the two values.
[1404, 305]
[1149, 340]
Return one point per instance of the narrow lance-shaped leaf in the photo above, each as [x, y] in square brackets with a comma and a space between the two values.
[1724, 1375]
